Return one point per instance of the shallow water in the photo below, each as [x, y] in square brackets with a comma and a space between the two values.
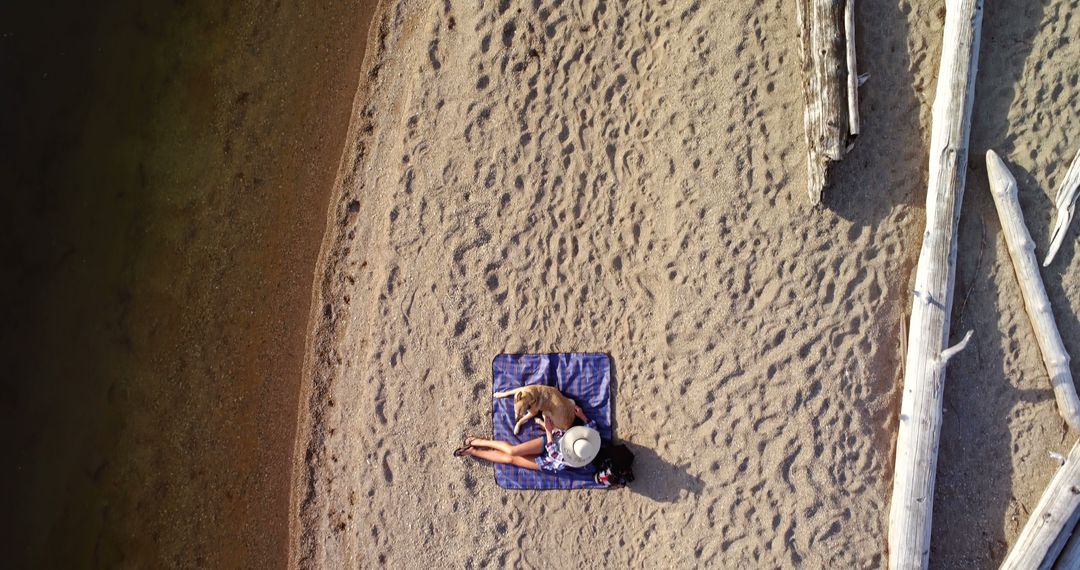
[167, 169]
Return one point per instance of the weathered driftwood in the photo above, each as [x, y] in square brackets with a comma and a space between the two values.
[853, 79]
[830, 85]
[1069, 559]
[1056, 506]
[1053, 553]
[924, 368]
[1022, 252]
[1065, 204]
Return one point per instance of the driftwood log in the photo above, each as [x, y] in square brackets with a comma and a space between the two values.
[1065, 204]
[1022, 252]
[830, 85]
[1053, 554]
[1055, 509]
[924, 370]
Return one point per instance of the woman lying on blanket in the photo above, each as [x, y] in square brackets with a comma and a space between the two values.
[572, 448]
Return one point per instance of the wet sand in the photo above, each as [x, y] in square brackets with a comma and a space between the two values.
[170, 165]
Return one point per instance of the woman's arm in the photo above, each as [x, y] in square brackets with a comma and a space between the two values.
[548, 426]
[581, 416]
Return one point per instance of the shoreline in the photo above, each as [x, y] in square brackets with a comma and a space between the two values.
[306, 392]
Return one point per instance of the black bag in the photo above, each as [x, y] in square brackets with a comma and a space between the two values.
[614, 465]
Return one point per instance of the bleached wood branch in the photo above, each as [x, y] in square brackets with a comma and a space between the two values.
[1053, 554]
[1056, 506]
[853, 79]
[920, 409]
[1022, 252]
[1065, 204]
[952, 351]
[830, 86]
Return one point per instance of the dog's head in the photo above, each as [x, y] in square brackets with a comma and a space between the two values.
[524, 401]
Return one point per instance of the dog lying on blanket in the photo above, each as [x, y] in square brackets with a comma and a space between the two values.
[533, 401]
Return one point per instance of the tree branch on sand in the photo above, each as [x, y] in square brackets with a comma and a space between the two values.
[830, 85]
[1035, 546]
[924, 370]
[1022, 252]
[1065, 204]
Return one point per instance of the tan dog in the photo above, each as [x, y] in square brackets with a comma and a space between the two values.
[532, 401]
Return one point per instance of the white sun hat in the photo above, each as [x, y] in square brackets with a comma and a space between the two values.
[579, 446]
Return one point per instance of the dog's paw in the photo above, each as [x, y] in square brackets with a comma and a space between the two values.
[539, 421]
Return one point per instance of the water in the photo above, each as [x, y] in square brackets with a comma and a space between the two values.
[167, 167]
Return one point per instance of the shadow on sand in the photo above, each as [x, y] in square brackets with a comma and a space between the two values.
[660, 480]
[656, 478]
[974, 507]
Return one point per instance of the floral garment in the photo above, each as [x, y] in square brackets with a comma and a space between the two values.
[551, 458]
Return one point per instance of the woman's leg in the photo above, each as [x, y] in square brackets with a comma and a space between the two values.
[494, 456]
[532, 447]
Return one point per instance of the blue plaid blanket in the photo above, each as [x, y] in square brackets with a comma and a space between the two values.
[584, 378]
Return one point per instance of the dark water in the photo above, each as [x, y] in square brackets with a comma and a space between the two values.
[166, 169]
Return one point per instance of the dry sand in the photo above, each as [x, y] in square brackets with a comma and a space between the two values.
[628, 177]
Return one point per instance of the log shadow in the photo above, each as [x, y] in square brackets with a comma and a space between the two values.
[974, 505]
[883, 179]
[974, 487]
[659, 479]
[878, 174]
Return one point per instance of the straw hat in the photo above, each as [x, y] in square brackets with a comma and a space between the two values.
[579, 445]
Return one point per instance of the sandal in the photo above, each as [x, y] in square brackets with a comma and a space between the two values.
[460, 452]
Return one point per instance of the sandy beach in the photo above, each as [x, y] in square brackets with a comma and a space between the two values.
[628, 178]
